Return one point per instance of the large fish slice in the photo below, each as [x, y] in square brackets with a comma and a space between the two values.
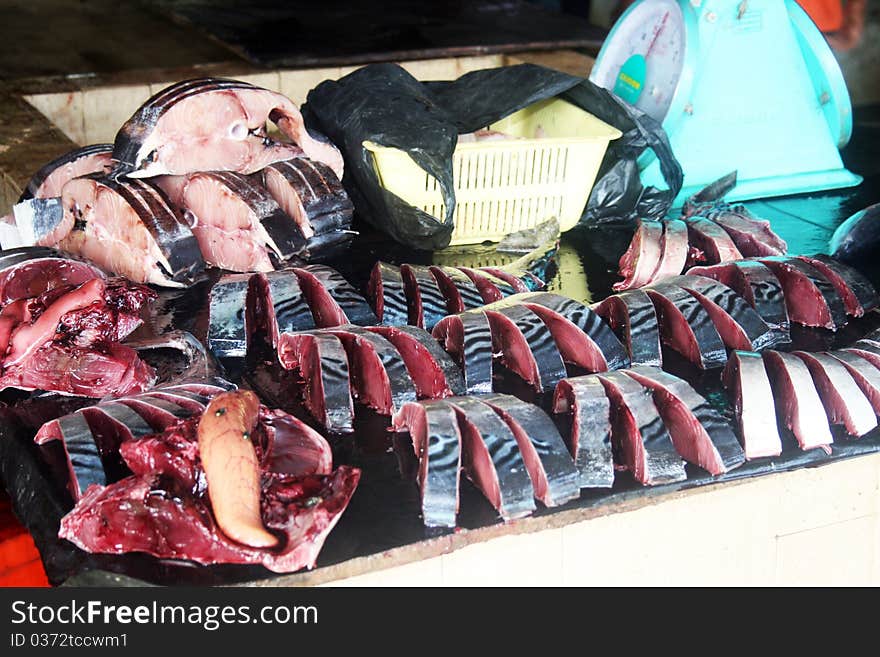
[700, 434]
[632, 316]
[387, 295]
[810, 298]
[638, 264]
[712, 240]
[460, 292]
[637, 427]
[797, 402]
[857, 292]
[352, 307]
[686, 326]
[323, 365]
[491, 458]
[491, 287]
[551, 469]
[468, 339]
[590, 438]
[748, 387]
[214, 124]
[752, 236]
[228, 331]
[277, 304]
[425, 302]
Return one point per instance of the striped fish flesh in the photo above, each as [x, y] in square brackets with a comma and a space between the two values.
[379, 377]
[322, 363]
[700, 434]
[425, 302]
[491, 287]
[858, 294]
[637, 427]
[686, 326]
[332, 299]
[436, 439]
[632, 317]
[387, 296]
[468, 339]
[276, 304]
[550, 466]
[460, 292]
[213, 124]
[129, 228]
[712, 240]
[432, 370]
[491, 458]
[810, 298]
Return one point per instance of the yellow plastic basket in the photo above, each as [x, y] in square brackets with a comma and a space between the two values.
[509, 185]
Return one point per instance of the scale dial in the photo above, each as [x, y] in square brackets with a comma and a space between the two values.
[643, 56]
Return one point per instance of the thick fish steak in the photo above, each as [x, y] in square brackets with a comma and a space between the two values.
[387, 295]
[590, 440]
[686, 326]
[810, 298]
[631, 315]
[468, 339]
[748, 387]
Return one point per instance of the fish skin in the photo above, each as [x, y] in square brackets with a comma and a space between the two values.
[285, 303]
[590, 441]
[491, 287]
[438, 448]
[716, 446]
[633, 315]
[228, 334]
[460, 292]
[703, 337]
[425, 302]
[468, 339]
[854, 242]
[99, 154]
[516, 494]
[712, 240]
[353, 305]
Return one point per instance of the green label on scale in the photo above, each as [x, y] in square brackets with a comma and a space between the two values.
[631, 79]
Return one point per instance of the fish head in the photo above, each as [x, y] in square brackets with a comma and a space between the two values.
[858, 237]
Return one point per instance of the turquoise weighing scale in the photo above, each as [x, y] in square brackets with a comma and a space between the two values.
[749, 85]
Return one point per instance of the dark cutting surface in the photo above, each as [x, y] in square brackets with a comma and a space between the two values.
[278, 33]
[384, 512]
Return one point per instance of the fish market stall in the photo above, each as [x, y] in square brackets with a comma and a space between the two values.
[459, 415]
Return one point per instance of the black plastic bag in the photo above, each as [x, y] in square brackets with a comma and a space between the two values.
[385, 104]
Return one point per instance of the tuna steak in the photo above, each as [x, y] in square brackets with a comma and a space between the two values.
[551, 469]
[526, 346]
[631, 315]
[426, 304]
[130, 228]
[590, 439]
[323, 365]
[211, 124]
[844, 402]
[686, 326]
[276, 304]
[797, 401]
[810, 298]
[387, 295]
[332, 298]
[638, 264]
[700, 434]
[51, 178]
[460, 292]
[756, 284]
[857, 292]
[491, 287]
[310, 193]
[491, 458]
[738, 324]
[436, 439]
[468, 339]
[864, 373]
[674, 250]
[751, 395]
[433, 371]
[638, 430]
[379, 376]
[712, 240]
[237, 224]
[590, 323]
[752, 236]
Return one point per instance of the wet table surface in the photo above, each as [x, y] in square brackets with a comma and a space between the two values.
[383, 514]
